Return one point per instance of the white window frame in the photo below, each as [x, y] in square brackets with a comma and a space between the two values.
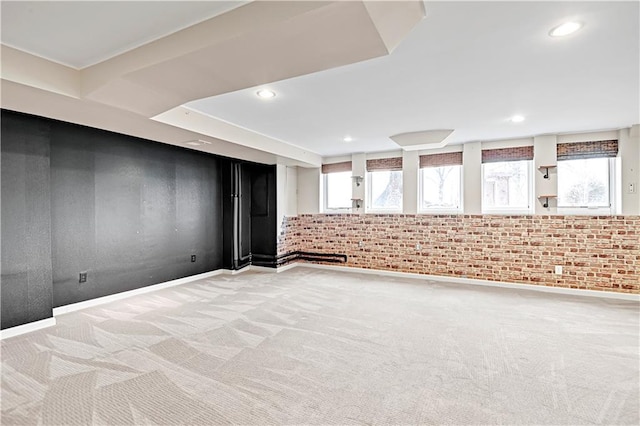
[438, 210]
[368, 189]
[614, 196]
[325, 197]
[529, 210]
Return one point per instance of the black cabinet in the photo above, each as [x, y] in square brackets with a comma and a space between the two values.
[249, 214]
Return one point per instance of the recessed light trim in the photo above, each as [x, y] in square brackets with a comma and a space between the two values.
[197, 143]
[266, 94]
[565, 29]
[517, 119]
[347, 139]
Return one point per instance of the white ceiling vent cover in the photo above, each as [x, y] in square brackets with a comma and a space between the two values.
[427, 139]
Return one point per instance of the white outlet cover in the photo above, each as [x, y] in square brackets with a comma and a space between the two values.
[558, 270]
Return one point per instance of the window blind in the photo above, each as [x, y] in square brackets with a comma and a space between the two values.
[345, 166]
[384, 164]
[439, 160]
[507, 154]
[577, 150]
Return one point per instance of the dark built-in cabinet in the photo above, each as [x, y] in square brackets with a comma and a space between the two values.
[249, 214]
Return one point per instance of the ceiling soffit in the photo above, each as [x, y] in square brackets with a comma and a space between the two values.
[267, 42]
[255, 44]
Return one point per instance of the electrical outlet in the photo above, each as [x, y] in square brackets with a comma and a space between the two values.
[83, 277]
[418, 246]
[193, 257]
[361, 244]
[558, 270]
[632, 188]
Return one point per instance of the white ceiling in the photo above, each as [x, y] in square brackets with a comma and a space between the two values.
[82, 33]
[467, 66]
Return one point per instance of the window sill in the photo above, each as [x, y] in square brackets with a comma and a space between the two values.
[508, 212]
[383, 212]
[585, 212]
[443, 211]
[337, 211]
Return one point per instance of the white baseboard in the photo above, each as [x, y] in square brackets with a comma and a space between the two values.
[273, 270]
[27, 328]
[119, 296]
[475, 281]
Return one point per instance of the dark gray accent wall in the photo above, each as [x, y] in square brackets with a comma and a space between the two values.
[126, 212]
[130, 213]
[25, 281]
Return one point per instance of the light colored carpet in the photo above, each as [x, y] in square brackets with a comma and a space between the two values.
[322, 347]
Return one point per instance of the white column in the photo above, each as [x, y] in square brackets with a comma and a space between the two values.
[291, 208]
[410, 168]
[309, 190]
[359, 168]
[545, 154]
[629, 153]
[281, 194]
[472, 177]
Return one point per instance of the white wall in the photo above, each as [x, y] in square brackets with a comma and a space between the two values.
[291, 208]
[635, 133]
[308, 190]
[471, 173]
[410, 169]
[544, 154]
[359, 168]
[287, 188]
[629, 153]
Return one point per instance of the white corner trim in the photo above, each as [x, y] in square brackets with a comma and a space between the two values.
[119, 296]
[27, 328]
[475, 281]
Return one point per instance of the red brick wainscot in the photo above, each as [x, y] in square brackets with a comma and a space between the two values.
[596, 252]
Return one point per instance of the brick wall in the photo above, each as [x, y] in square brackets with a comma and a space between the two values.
[597, 253]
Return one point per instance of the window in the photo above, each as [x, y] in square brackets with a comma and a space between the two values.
[385, 190]
[584, 183]
[440, 182]
[585, 177]
[384, 185]
[506, 180]
[336, 185]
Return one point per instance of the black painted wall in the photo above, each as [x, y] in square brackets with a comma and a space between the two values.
[126, 211]
[25, 286]
[129, 212]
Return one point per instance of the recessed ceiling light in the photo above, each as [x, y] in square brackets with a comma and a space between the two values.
[565, 29]
[197, 143]
[347, 138]
[517, 119]
[266, 94]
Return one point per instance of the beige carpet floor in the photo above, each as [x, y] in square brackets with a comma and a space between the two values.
[320, 347]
